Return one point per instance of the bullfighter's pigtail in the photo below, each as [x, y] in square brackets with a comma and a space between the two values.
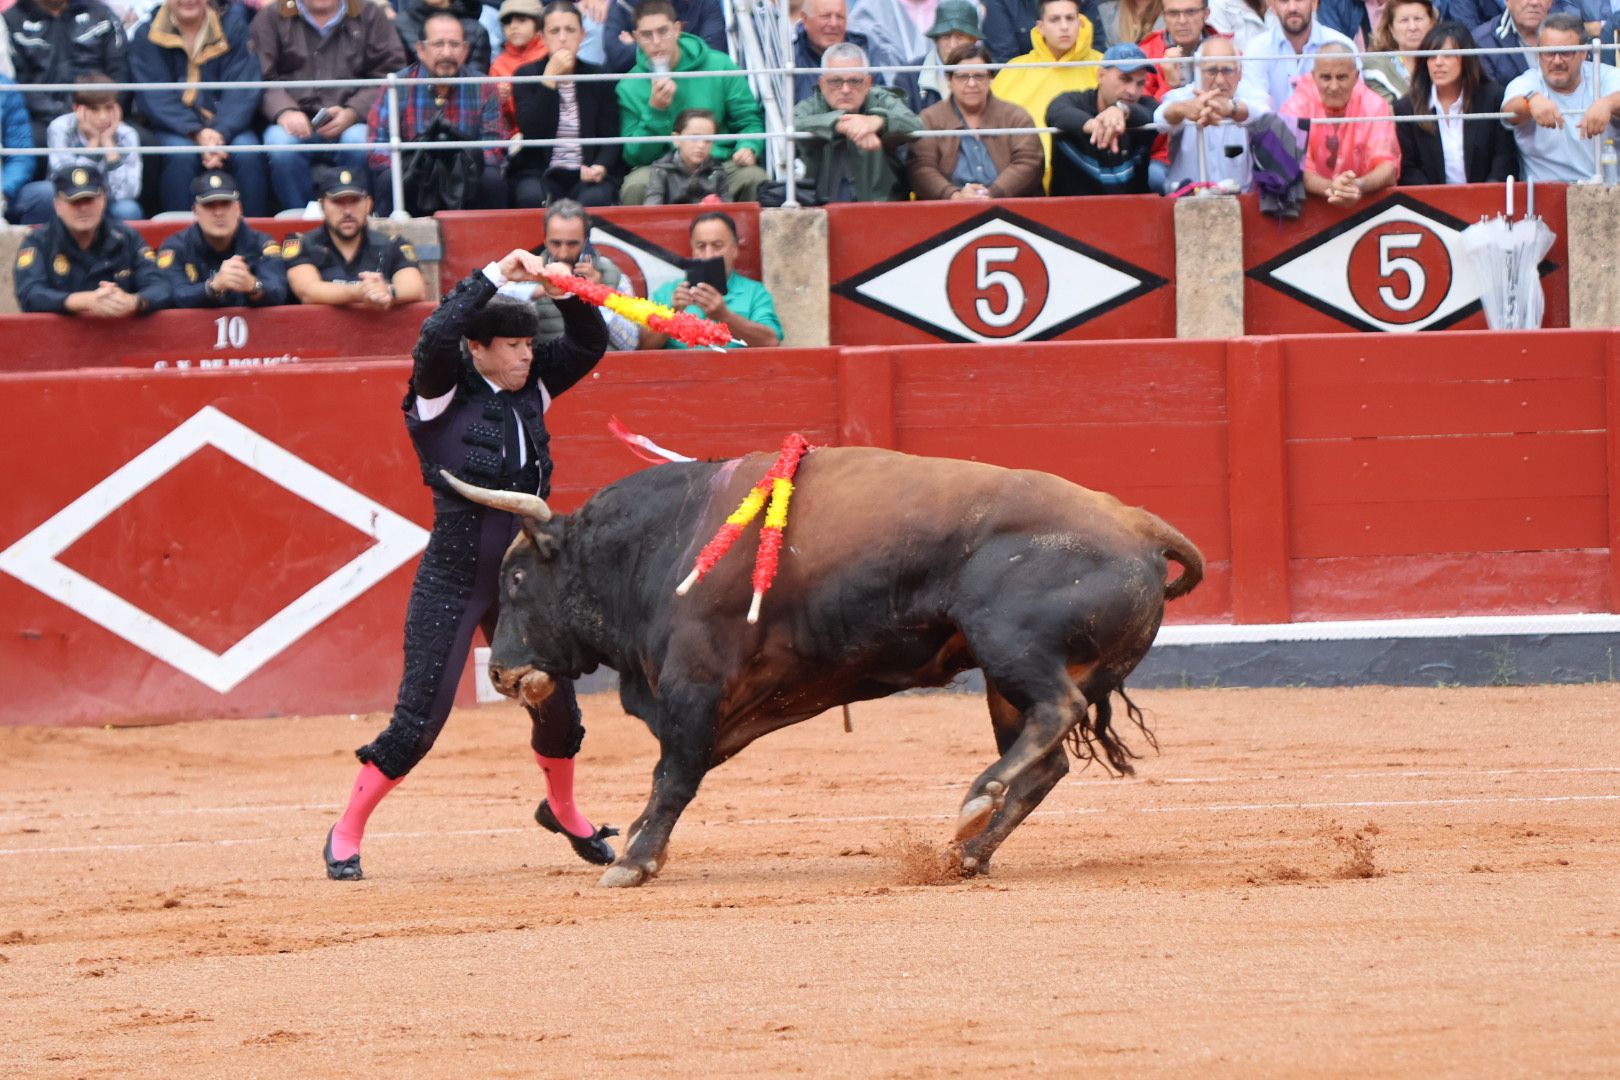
[776, 486]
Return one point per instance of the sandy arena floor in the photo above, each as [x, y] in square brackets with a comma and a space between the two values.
[1305, 882]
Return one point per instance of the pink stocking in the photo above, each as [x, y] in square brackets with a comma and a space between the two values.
[560, 794]
[369, 788]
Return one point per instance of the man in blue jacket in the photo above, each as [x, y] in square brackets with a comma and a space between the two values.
[826, 23]
[18, 134]
[190, 41]
[701, 17]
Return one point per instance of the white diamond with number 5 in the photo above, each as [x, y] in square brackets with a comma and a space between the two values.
[1397, 270]
[998, 282]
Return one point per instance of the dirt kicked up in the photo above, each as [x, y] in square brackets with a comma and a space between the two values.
[1369, 881]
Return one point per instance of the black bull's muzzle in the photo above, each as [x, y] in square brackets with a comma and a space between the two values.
[525, 683]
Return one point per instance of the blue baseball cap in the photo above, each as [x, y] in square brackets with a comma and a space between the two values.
[1126, 57]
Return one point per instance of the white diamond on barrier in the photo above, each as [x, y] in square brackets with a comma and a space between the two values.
[1396, 270]
[34, 558]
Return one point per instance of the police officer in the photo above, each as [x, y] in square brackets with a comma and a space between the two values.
[476, 407]
[83, 263]
[219, 261]
[344, 261]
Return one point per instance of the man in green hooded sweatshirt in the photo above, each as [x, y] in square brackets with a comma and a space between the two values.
[650, 106]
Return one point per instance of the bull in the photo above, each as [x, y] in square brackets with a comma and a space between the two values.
[899, 572]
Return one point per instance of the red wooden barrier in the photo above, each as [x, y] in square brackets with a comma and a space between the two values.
[214, 337]
[1473, 477]
[645, 242]
[1015, 270]
[1395, 263]
[240, 542]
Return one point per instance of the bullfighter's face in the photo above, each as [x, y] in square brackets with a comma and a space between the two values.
[504, 361]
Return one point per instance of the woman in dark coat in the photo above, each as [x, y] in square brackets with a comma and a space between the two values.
[1446, 149]
[551, 109]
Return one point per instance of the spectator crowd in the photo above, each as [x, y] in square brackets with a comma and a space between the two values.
[1259, 106]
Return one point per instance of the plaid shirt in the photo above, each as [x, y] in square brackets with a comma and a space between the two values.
[473, 109]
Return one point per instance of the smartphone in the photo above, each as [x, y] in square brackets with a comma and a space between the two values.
[320, 118]
[707, 272]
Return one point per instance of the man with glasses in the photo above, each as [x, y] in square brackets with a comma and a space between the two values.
[1344, 162]
[444, 110]
[857, 131]
[1555, 146]
[1216, 110]
[1186, 27]
[320, 39]
[650, 106]
[1296, 36]
[825, 23]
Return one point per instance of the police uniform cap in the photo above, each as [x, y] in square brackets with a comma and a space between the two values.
[79, 181]
[215, 185]
[344, 182]
[504, 317]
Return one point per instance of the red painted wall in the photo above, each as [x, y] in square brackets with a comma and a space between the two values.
[1340, 476]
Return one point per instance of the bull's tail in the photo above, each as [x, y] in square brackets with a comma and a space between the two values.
[1179, 549]
[1094, 732]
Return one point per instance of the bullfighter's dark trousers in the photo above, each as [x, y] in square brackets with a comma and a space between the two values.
[454, 594]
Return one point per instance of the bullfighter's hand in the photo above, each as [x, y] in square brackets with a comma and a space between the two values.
[710, 299]
[522, 265]
[552, 271]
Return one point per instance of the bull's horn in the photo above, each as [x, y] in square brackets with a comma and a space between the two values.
[529, 506]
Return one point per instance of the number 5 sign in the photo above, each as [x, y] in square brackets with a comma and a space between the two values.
[1398, 265]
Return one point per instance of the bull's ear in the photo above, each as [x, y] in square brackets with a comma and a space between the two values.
[545, 536]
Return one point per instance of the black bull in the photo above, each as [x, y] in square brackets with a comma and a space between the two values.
[897, 572]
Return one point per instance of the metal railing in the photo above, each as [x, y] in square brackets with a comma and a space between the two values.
[783, 140]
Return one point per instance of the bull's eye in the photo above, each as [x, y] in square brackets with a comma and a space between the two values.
[517, 578]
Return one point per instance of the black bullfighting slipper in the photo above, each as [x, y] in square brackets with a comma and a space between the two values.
[593, 848]
[341, 869]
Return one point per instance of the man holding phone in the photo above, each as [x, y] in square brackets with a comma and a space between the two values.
[713, 288]
[319, 39]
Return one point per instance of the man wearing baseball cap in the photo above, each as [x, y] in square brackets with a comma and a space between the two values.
[82, 262]
[1105, 136]
[219, 261]
[345, 261]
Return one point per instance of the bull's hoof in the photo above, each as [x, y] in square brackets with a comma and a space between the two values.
[623, 876]
[977, 811]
